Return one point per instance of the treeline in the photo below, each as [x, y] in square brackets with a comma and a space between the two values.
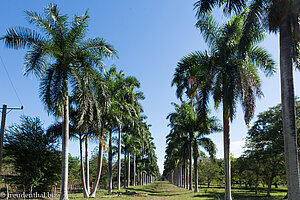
[262, 163]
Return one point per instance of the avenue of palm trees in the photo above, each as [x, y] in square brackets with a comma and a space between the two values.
[92, 102]
[228, 73]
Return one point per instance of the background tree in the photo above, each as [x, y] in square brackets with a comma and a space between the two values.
[265, 141]
[34, 154]
[209, 171]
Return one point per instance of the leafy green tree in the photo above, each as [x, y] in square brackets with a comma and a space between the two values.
[74, 171]
[94, 164]
[35, 158]
[283, 17]
[209, 171]
[55, 56]
[265, 142]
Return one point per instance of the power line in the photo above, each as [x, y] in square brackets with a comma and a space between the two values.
[11, 81]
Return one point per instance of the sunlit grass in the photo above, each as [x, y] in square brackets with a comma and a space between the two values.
[165, 190]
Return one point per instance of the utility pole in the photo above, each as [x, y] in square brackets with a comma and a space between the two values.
[4, 112]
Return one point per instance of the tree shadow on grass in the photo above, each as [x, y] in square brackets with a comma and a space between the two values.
[240, 196]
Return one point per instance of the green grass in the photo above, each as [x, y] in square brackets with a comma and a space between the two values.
[160, 190]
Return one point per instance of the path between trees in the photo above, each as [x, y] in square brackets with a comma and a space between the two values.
[161, 190]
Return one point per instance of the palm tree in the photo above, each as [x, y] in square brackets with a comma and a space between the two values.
[88, 115]
[54, 58]
[128, 109]
[75, 132]
[224, 73]
[181, 121]
[189, 129]
[282, 17]
[103, 96]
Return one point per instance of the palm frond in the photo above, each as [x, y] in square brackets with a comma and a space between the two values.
[21, 37]
[262, 59]
[209, 28]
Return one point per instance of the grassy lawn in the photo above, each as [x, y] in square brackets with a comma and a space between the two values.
[165, 190]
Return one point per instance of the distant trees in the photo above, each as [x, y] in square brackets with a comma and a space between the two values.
[188, 133]
[209, 171]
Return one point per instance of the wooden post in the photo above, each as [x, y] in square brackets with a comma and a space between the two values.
[2, 133]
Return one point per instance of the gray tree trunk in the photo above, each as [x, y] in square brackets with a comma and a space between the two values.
[110, 163]
[226, 141]
[134, 170]
[141, 177]
[128, 168]
[184, 175]
[99, 167]
[87, 164]
[85, 192]
[187, 176]
[125, 169]
[190, 174]
[119, 160]
[65, 151]
[180, 176]
[196, 173]
[288, 111]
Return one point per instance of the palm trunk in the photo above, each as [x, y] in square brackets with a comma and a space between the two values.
[125, 171]
[180, 176]
[110, 164]
[99, 167]
[85, 192]
[183, 172]
[119, 160]
[196, 172]
[87, 164]
[191, 157]
[187, 176]
[65, 151]
[141, 177]
[226, 155]
[128, 168]
[288, 111]
[134, 170]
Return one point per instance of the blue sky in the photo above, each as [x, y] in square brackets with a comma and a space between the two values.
[150, 37]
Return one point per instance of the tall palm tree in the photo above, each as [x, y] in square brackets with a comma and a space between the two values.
[101, 88]
[225, 73]
[54, 57]
[283, 17]
[88, 115]
[128, 108]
